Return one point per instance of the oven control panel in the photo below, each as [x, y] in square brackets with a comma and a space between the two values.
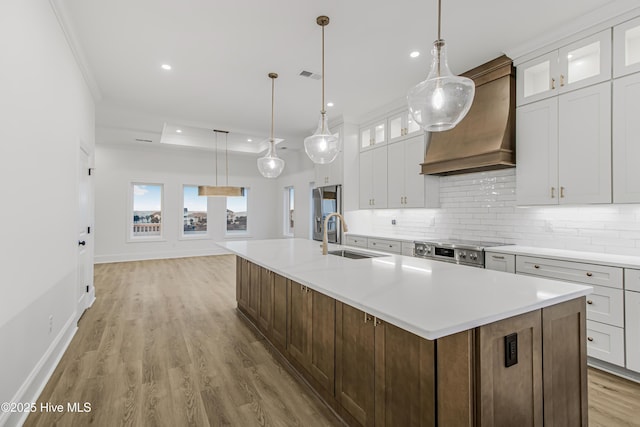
[449, 253]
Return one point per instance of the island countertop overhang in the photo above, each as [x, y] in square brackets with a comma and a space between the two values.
[431, 299]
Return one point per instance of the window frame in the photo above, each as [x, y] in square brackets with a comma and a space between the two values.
[237, 234]
[199, 236]
[129, 225]
[288, 231]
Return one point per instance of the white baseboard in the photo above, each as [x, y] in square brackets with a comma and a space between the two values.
[104, 259]
[41, 373]
[614, 369]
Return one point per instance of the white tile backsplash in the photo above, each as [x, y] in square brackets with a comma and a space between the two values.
[482, 206]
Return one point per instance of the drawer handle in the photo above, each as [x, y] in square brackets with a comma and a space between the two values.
[536, 266]
[589, 339]
[589, 302]
[390, 246]
[497, 257]
[589, 274]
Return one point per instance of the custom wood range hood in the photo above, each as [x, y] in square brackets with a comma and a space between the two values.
[485, 138]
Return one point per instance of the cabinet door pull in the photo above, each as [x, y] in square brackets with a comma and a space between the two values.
[301, 288]
[589, 339]
[561, 192]
[536, 266]
[376, 321]
[497, 257]
[589, 274]
[553, 83]
[589, 302]
[553, 192]
[561, 80]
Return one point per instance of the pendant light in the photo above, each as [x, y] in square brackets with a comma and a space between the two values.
[441, 101]
[322, 147]
[271, 166]
[220, 190]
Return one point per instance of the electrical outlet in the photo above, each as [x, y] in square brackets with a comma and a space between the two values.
[393, 222]
[50, 323]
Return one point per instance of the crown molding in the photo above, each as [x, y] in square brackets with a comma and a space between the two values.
[587, 24]
[62, 14]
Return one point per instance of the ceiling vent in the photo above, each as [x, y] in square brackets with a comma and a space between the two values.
[311, 75]
[143, 140]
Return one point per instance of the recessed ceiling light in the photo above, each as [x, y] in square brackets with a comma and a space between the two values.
[249, 140]
[329, 104]
[178, 130]
[414, 54]
[166, 67]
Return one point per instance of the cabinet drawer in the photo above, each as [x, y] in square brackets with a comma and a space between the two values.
[500, 262]
[632, 279]
[605, 342]
[385, 245]
[356, 241]
[606, 305]
[590, 274]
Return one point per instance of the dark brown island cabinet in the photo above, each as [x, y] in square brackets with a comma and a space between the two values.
[373, 373]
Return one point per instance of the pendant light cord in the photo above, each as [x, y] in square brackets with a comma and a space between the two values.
[273, 85]
[439, 17]
[322, 110]
[216, 157]
[226, 156]
[439, 41]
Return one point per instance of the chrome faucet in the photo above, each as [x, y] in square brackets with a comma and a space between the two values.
[325, 243]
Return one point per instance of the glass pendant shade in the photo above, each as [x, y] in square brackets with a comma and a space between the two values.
[271, 166]
[322, 147]
[441, 101]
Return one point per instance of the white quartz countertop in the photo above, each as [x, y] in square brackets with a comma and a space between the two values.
[432, 299]
[626, 261]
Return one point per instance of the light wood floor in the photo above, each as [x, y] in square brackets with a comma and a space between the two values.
[163, 345]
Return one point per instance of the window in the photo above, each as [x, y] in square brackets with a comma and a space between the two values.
[147, 210]
[237, 214]
[289, 197]
[194, 215]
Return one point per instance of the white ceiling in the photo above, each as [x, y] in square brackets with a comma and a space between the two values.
[222, 51]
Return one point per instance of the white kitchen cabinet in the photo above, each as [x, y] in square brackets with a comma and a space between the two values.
[331, 173]
[626, 139]
[500, 262]
[537, 153]
[373, 134]
[626, 48]
[406, 186]
[359, 241]
[606, 305]
[584, 148]
[402, 125]
[574, 66]
[373, 178]
[605, 342]
[588, 274]
[632, 279]
[385, 245]
[564, 148]
[632, 329]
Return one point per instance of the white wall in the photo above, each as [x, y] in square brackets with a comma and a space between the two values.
[118, 165]
[47, 111]
[482, 206]
[299, 173]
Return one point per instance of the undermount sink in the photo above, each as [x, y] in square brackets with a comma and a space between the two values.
[354, 255]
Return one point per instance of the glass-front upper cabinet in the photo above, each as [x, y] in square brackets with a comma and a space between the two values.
[373, 134]
[536, 79]
[585, 62]
[402, 125]
[626, 48]
[579, 64]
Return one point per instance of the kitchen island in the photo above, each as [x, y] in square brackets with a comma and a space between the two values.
[395, 340]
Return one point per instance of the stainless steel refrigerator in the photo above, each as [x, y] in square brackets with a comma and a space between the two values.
[325, 201]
